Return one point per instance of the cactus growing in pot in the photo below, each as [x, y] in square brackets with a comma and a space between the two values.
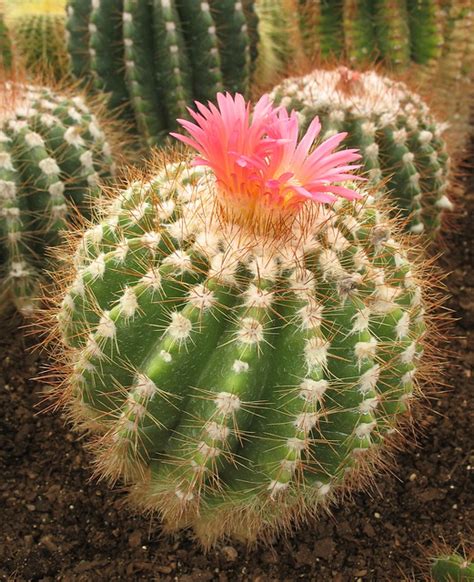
[242, 339]
[400, 140]
[52, 155]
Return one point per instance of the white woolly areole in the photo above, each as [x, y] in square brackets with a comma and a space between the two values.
[369, 405]
[364, 429]
[403, 325]
[34, 140]
[227, 403]
[444, 203]
[368, 380]
[179, 260]
[201, 297]
[216, 431]
[316, 352]
[7, 190]
[73, 137]
[152, 279]
[240, 367]
[276, 487]
[306, 421]
[250, 331]
[208, 451]
[180, 326]
[256, 297]
[365, 350]
[144, 388]
[408, 355]
[49, 166]
[128, 303]
[106, 327]
[313, 390]
[311, 314]
[97, 267]
[57, 190]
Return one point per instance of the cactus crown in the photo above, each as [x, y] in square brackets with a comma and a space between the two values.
[237, 377]
[52, 155]
[400, 141]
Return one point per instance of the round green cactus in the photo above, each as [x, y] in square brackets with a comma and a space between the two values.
[52, 155]
[39, 41]
[237, 378]
[155, 58]
[400, 140]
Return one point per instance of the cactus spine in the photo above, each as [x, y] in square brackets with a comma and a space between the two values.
[401, 142]
[52, 154]
[157, 57]
[238, 357]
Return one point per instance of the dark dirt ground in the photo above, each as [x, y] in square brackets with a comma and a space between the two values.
[57, 524]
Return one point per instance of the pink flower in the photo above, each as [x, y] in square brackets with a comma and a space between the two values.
[257, 159]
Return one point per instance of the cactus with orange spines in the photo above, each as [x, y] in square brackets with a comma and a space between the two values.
[243, 332]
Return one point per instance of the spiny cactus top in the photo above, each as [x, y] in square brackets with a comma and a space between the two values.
[400, 140]
[243, 336]
[157, 57]
[452, 568]
[52, 154]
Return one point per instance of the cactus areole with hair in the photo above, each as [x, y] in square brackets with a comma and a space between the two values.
[243, 329]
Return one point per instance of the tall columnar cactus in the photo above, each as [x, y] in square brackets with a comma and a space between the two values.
[6, 55]
[52, 154]
[155, 58]
[241, 352]
[452, 568]
[396, 32]
[400, 140]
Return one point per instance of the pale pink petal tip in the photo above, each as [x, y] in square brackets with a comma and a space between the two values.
[258, 155]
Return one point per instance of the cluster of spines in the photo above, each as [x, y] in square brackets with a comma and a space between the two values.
[238, 377]
[155, 58]
[404, 146]
[452, 567]
[53, 154]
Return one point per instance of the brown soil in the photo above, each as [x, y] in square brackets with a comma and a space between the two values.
[57, 524]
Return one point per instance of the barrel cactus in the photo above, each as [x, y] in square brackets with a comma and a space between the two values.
[242, 337]
[40, 43]
[400, 140]
[154, 58]
[52, 155]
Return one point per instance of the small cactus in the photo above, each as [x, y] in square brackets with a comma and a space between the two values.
[400, 140]
[452, 568]
[52, 154]
[155, 58]
[239, 347]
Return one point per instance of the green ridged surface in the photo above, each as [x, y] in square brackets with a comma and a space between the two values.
[6, 55]
[452, 568]
[78, 14]
[400, 140]
[236, 386]
[52, 157]
[425, 31]
[359, 31]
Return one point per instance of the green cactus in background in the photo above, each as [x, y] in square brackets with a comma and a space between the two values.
[52, 155]
[395, 32]
[40, 43]
[241, 354]
[452, 568]
[400, 140]
[155, 58]
[6, 56]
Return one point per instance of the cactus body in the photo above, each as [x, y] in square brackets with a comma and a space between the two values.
[452, 568]
[156, 58]
[39, 40]
[52, 156]
[401, 142]
[6, 56]
[236, 377]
